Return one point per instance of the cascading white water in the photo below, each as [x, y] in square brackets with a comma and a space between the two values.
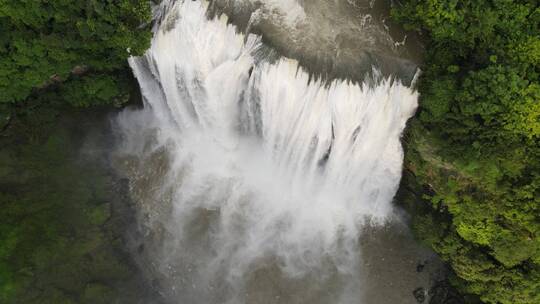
[259, 165]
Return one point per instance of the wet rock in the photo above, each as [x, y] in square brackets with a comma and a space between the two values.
[420, 294]
[5, 120]
[80, 70]
[420, 267]
[140, 249]
[443, 293]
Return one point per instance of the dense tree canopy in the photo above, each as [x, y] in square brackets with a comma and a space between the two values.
[57, 242]
[475, 146]
[43, 40]
[476, 142]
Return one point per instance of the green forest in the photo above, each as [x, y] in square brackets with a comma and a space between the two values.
[472, 162]
[59, 238]
[473, 150]
[45, 43]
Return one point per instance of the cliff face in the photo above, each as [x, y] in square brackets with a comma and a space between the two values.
[473, 151]
[63, 212]
[458, 214]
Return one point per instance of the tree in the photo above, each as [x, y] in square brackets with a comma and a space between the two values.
[476, 142]
[43, 40]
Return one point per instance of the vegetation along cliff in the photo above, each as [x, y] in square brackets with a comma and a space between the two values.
[473, 151]
[472, 178]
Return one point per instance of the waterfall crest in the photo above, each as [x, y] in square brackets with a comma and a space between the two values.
[254, 164]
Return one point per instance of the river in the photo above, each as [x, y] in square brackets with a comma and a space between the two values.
[265, 161]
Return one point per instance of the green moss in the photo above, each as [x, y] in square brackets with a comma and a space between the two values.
[100, 214]
[56, 243]
[96, 294]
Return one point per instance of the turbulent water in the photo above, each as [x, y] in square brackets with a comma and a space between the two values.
[338, 38]
[248, 172]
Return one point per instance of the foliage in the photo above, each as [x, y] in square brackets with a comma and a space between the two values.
[485, 230]
[476, 142]
[58, 243]
[43, 41]
[59, 237]
[100, 89]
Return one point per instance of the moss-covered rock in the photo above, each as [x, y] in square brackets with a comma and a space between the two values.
[459, 213]
[96, 293]
[59, 242]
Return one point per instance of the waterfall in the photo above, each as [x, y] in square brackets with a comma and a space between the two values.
[241, 162]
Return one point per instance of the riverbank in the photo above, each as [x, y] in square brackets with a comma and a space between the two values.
[64, 212]
[473, 148]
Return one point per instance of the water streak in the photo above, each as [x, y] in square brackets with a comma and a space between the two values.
[257, 165]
